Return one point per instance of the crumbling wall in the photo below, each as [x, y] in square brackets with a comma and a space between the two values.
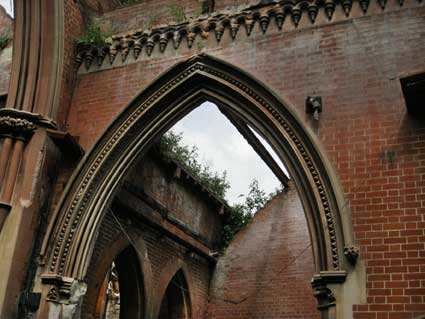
[187, 203]
[267, 269]
[158, 252]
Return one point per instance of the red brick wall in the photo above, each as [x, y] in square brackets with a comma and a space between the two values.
[160, 251]
[355, 65]
[267, 269]
[160, 12]
[73, 25]
[185, 202]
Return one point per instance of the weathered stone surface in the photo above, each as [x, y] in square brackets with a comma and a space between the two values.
[6, 32]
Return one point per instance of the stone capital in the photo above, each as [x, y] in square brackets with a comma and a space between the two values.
[21, 124]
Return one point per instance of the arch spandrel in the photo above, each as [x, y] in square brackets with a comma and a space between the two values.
[68, 243]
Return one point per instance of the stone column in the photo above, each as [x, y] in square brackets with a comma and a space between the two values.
[27, 156]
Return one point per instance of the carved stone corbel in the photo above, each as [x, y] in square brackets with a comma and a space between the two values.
[352, 254]
[60, 287]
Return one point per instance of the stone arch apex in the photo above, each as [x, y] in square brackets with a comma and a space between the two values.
[68, 242]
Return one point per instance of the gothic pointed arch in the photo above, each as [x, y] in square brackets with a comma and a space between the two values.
[174, 293]
[67, 247]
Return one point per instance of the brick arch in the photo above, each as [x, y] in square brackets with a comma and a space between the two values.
[168, 272]
[68, 243]
[140, 275]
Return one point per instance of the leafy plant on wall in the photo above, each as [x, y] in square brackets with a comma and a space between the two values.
[94, 35]
[237, 216]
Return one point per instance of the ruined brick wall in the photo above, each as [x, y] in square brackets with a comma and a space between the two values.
[267, 269]
[355, 66]
[6, 31]
[157, 252]
[186, 203]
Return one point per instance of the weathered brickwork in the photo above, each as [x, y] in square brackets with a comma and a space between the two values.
[267, 269]
[186, 203]
[73, 26]
[158, 252]
[163, 12]
[376, 147]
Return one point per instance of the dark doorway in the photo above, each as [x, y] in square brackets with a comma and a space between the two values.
[176, 302]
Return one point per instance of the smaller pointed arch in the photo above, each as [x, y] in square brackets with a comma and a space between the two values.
[176, 303]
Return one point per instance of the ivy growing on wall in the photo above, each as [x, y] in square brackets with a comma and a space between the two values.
[238, 215]
[171, 147]
[93, 35]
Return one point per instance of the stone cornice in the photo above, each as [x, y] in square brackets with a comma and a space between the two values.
[263, 14]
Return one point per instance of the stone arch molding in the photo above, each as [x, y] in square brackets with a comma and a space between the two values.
[68, 243]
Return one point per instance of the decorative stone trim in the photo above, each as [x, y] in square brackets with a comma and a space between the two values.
[16, 127]
[278, 10]
[352, 254]
[60, 286]
[20, 124]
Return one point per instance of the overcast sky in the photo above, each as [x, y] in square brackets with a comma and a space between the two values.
[7, 4]
[224, 149]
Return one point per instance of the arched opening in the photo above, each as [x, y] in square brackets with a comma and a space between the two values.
[175, 303]
[265, 246]
[69, 241]
[121, 295]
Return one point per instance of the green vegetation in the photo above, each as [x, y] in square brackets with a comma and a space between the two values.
[241, 214]
[4, 41]
[171, 147]
[93, 35]
[5, 38]
[237, 216]
[177, 12]
[129, 2]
